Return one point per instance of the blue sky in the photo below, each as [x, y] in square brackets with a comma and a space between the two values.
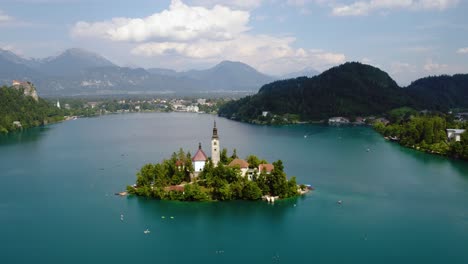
[407, 38]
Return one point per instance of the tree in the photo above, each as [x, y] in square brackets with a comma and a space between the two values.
[223, 158]
[253, 161]
[234, 154]
[276, 180]
[251, 191]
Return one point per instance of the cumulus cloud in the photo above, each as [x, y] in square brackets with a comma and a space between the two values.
[269, 54]
[434, 67]
[402, 67]
[4, 17]
[462, 50]
[243, 4]
[207, 35]
[361, 8]
[180, 22]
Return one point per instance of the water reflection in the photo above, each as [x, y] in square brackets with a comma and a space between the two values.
[232, 210]
[24, 136]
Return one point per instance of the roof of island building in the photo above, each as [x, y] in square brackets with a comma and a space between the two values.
[456, 131]
[266, 167]
[200, 155]
[239, 162]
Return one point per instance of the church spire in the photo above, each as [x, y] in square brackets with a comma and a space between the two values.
[215, 155]
[215, 131]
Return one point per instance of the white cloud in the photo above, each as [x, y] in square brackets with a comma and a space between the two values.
[4, 17]
[402, 67]
[180, 23]
[462, 50]
[434, 67]
[11, 48]
[361, 8]
[207, 35]
[243, 4]
[269, 54]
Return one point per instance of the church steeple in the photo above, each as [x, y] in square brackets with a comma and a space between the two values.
[215, 131]
[215, 155]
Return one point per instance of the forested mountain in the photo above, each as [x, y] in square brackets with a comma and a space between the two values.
[350, 89]
[441, 92]
[80, 72]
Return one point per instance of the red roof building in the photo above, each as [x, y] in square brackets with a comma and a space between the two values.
[239, 162]
[200, 155]
[265, 167]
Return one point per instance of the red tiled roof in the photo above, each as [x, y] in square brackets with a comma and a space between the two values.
[239, 162]
[199, 156]
[179, 163]
[266, 167]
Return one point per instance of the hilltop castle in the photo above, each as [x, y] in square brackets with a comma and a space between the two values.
[28, 88]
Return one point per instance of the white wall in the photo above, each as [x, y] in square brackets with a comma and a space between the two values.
[198, 165]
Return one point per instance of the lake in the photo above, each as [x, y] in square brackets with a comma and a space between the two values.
[57, 203]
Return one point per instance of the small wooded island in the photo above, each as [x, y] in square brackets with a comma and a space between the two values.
[222, 178]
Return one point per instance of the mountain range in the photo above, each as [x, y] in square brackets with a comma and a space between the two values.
[80, 72]
[351, 89]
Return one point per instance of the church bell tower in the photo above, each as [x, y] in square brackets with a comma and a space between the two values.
[215, 146]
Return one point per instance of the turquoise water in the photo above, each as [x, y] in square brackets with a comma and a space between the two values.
[57, 202]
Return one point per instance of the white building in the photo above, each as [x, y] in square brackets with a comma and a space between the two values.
[192, 108]
[58, 104]
[265, 113]
[338, 120]
[455, 134]
[215, 154]
[199, 160]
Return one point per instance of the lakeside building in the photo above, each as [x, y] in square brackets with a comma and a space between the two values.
[338, 120]
[455, 134]
[199, 159]
[215, 154]
[242, 164]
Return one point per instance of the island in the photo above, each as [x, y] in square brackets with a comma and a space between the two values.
[218, 178]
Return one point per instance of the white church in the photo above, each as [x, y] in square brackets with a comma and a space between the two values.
[200, 158]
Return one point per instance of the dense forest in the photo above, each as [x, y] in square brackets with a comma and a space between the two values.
[440, 93]
[425, 132]
[351, 89]
[15, 106]
[214, 183]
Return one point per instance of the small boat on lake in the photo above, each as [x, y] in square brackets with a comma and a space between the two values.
[146, 231]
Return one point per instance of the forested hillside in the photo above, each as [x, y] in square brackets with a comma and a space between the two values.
[351, 89]
[347, 90]
[15, 106]
[440, 92]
